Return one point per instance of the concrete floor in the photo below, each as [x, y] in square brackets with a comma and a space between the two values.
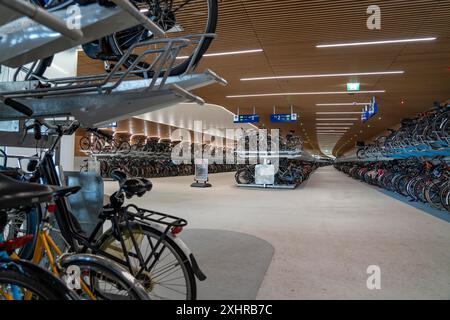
[325, 235]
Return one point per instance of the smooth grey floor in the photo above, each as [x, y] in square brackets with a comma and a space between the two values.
[325, 235]
[235, 263]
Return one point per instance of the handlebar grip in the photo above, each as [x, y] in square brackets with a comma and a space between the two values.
[19, 107]
[37, 131]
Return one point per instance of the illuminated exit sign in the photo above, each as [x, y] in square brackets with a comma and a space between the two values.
[353, 86]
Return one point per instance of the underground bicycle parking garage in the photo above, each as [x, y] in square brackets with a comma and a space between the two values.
[227, 151]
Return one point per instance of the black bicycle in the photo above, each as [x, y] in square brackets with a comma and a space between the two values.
[144, 241]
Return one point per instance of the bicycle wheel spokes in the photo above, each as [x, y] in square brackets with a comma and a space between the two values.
[166, 274]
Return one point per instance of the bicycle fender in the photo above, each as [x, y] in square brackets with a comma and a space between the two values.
[180, 243]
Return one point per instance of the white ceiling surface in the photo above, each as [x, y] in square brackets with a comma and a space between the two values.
[183, 115]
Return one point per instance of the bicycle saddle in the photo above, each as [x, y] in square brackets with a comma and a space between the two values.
[14, 193]
[133, 186]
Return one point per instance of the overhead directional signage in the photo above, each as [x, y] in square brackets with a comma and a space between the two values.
[369, 111]
[289, 118]
[246, 118]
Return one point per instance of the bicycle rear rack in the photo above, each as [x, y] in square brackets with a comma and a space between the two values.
[149, 216]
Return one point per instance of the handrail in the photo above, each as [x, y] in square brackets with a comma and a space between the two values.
[139, 16]
[106, 82]
[43, 17]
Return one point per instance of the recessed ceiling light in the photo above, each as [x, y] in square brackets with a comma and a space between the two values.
[337, 119]
[342, 104]
[325, 75]
[341, 112]
[302, 94]
[366, 43]
[228, 53]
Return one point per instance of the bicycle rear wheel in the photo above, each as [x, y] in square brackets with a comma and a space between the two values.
[169, 275]
[178, 18]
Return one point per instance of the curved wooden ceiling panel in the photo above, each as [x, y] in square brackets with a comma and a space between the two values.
[288, 32]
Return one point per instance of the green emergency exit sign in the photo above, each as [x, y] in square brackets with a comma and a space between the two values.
[353, 86]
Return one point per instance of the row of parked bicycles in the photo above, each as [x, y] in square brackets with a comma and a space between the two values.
[153, 167]
[132, 253]
[45, 254]
[291, 172]
[98, 141]
[418, 180]
[427, 134]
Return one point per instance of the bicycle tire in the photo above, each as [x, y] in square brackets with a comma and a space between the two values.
[108, 237]
[117, 274]
[210, 27]
[40, 282]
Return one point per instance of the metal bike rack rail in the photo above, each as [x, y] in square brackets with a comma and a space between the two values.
[30, 33]
[100, 99]
[43, 17]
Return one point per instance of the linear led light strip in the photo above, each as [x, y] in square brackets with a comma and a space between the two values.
[341, 112]
[325, 75]
[337, 119]
[341, 104]
[333, 128]
[367, 43]
[302, 93]
[330, 134]
[228, 53]
[334, 124]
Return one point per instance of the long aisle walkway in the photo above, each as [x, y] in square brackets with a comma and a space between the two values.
[325, 234]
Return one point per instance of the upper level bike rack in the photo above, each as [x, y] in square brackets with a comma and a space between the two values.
[399, 153]
[101, 99]
[29, 32]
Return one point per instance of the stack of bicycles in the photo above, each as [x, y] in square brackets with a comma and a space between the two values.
[139, 256]
[160, 164]
[291, 172]
[427, 134]
[132, 253]
[422, 181]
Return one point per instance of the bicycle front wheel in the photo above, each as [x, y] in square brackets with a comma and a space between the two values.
[21, 280]
[101, 279]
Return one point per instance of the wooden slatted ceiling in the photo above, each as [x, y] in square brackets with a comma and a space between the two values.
[289, 30]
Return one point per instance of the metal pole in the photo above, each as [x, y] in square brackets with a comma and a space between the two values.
[41, 16]
[142, 18]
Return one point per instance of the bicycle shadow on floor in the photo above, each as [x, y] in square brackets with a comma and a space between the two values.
[235, 263]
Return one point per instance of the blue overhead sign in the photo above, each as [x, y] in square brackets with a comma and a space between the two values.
[289, 118]
[369, 111]
[246, 118]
